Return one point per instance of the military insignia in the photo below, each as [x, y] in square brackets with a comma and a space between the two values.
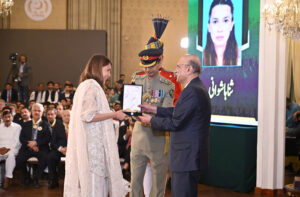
[152, 100]
[156, 94]
[39, 128]
[146, 97]
[171, 92]
[161, 93]
[146, 57]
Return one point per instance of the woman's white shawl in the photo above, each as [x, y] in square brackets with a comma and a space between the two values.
[90, 99]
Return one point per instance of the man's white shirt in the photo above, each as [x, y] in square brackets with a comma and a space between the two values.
[9, 137]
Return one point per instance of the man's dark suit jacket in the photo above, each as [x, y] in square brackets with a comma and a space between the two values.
[25, 75]
[59, 137]
[62, 95]
[189, 123]
[43, 136]
[14, 95]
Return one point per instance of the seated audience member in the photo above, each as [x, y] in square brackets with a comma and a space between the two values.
[69, 102]
[59, 110]
[51, 118]
[70, 83]
[20, 105]
[107, 84]
[25, 115]
[51, 106]
[64, 103]
[13, 108]
[2, 104]
[291, 148]
[9, 144]
[45, 105]
[117, 106]
[107, 91]
[50, 95]
[122, 78]
[57, 87]
[16, 116]
[296, 130]
[37, 95]
[58, 147]
[112, 97]
[67, 93]
[9, 94]
[31, 102]
[118, 87]
[66, 120]
[35, 138]
[291, 108]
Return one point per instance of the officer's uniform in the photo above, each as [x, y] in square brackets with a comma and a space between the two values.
[146, 144]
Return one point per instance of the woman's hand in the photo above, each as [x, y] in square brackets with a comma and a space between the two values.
[119, 115]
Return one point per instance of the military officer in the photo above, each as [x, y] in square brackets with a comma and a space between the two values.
[159, 87]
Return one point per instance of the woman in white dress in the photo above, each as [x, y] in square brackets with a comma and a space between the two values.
[92, 161]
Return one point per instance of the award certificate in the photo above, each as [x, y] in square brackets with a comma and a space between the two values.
[132, 98]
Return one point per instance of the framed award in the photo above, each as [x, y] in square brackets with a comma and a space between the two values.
[132, 98]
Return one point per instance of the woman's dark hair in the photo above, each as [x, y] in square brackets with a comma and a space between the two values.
[93, 69]
[231, 50]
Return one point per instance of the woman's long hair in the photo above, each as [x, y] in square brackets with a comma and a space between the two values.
[93, 69]
[231, 50]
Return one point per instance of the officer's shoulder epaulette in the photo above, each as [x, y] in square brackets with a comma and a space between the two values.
[167, 74]
[165, 80]
[138, 75]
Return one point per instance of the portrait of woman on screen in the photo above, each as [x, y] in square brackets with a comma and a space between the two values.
[221, 47]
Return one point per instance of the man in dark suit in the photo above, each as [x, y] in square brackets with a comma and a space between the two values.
[37, 95]
[58, 146]
[189, 123]
[35, 137]
[67, 93]
[9, 94]
[23, 75]
[50, 95]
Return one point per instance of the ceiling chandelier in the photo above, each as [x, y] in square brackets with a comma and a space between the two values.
[5, 7]
[284, 16]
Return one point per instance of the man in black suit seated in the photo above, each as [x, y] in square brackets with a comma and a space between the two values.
[9, 94]
[50, 95]
[25, 116]
[37, 95]
[58, 146]
[35, 138]
[67, 93]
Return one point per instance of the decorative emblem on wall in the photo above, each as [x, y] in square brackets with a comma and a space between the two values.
[38, 10]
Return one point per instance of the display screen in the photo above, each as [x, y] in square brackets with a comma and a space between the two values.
[224, 34]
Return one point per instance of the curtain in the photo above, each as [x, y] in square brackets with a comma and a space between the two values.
[293, 70]
[99, 15]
